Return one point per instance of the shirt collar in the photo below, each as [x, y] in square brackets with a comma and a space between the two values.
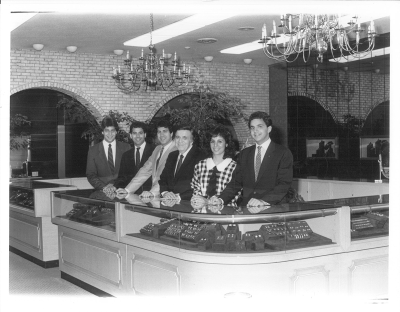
[141, 146]
[187, 151]
[113, 144]
[168, 145]
[265, 144]
[221, 166]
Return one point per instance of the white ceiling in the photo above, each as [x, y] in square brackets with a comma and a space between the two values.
[101, 33]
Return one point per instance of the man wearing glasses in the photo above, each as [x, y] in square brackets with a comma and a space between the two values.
[104, 158]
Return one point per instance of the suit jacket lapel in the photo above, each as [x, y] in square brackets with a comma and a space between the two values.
[187, 159]
[103, 157]
[145, 153]
[266, 159]
[250, 163]
[118, 156]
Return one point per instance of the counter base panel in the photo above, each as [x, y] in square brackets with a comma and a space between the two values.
[85, 286]
[34, 236]
[352, 275]
[94, 260]
[43, 264]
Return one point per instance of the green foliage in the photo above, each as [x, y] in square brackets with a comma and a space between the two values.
[204, 109]
[19, 127]
[75, 112]
[351, 126]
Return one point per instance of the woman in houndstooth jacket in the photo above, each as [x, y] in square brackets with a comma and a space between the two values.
[212, 174]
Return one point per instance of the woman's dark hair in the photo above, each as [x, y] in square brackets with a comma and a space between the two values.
[223, 132]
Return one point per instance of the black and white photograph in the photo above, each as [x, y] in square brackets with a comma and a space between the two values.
[172, 154]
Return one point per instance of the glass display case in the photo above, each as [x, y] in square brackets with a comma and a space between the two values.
[86, 210]
[32, 197]
[225, 229]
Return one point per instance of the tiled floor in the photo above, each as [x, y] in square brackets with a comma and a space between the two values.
[27, 278]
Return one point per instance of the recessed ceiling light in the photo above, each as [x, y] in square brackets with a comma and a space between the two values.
[187, 48]
[175, 29]
[207, 40]
[245, 28]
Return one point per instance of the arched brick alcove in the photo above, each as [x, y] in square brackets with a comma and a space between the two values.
[239, 124]
[316, 99]
[81, 96]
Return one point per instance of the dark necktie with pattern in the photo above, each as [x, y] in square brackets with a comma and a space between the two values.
[179, 164]
[137, 158]
[158, 160]
[258, 162]
[110, 158]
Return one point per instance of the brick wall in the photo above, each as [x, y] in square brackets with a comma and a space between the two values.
[88, 78]
[340, 92]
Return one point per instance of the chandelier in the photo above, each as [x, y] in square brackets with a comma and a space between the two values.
[152, 71]
[320, 33]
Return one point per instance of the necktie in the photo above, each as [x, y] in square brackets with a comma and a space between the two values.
[212, 183]
[179, 164]
[110, 158]
[258, 162]
[137, 158]
[158, 160]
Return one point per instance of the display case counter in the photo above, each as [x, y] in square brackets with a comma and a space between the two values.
[160, 248]
[32, 235]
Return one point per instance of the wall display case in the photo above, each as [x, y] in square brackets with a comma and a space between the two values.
[161, 248]
[32, 235]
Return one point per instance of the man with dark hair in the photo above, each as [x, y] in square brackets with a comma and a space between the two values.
[264, 171]
[135, 158]
[104, 158]
[175, 180]
[154, 164]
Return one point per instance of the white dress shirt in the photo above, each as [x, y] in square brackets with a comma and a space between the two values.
[113, 146]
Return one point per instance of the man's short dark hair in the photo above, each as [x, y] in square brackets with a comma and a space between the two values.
[163, 123]
[108, 121]
[261, 115]
[138, 124]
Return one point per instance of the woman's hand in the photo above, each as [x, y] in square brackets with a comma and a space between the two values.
[198, 201]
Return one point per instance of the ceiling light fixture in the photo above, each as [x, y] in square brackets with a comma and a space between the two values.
[71, 49]
[377, 52]
[118, 52]
[179, 28]
[38, 46]
[248, 61]
[208, 58]
[152, 72]
[316, 32]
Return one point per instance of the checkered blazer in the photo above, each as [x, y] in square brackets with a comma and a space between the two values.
[201, 177]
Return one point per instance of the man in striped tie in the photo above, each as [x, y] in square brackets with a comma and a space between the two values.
[264, 171]
[104, 158]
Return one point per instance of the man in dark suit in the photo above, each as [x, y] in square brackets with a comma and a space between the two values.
[264, 171]
[134, 159]
[104, 158]
[178, 172]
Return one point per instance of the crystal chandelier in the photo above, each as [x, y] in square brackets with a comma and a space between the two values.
[315, 32]
[153, 72]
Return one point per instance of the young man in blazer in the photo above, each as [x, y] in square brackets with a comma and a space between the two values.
[135, 158]
[104, 158]
[154, 165]
[178, 172]
[264, 171]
